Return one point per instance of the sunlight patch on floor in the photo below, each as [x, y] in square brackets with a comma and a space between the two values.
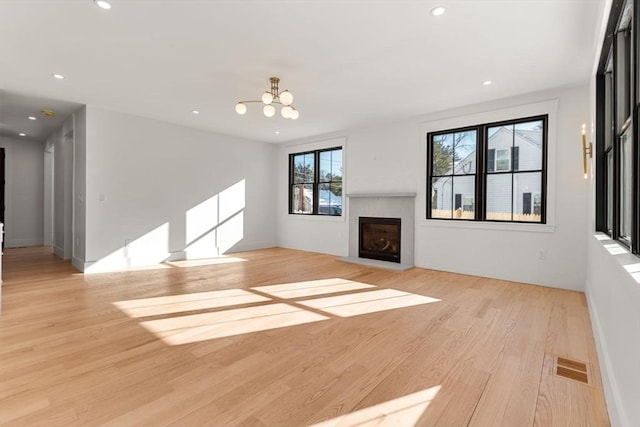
[311, 288]
[367, 302]
[219, 324]
[403, 411]
[187, 302]
[269, 307]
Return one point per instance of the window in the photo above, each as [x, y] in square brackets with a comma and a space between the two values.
[315, 182]
[453, 174]
[617, 153]
[509, 183]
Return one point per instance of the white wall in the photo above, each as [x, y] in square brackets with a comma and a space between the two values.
[553, 254]
[310, 233]
[157, 191]
[47, 238]
[613, 295]
[79, 187]
[62, 140]
[24, 192]
[392, 158]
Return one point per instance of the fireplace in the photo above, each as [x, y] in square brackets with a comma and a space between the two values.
[379, 238]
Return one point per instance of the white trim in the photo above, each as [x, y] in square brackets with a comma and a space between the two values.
[78, 264]
[326, 218]
[21, 243]
[59, 251]
[488, 225]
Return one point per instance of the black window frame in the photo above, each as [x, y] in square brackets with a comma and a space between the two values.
[483, 169]
[317, 181]
[609, 204]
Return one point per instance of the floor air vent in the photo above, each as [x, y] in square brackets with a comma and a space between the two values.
[572, 369]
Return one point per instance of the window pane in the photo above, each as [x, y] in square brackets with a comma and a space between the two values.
[464, 204]
[527, 151]
[336, 165]
[330, 166]
[442, 154]
[626, 185]
[501, 141]
[441, 197]
[302, 198]
[303, 168]
[499, 197]
[330, 199]
[609, 194]
[608, 106]
[623, 77]
[527, 197]
[464, 152]
[503, 159]
[325, 166]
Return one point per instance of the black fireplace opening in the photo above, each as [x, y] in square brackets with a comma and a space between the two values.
[379, 238]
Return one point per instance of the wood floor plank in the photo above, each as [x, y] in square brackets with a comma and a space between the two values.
[418, 347]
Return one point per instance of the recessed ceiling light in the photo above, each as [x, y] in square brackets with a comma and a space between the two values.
[22, 134]
[277, 132]
[32, 118]
[438, 11]
[103, 4]
[487, 82]
[195, 111]
[57, 76]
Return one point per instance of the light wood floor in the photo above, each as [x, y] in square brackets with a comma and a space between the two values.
[218, 344]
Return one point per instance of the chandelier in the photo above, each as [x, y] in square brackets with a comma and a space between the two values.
[270, 97]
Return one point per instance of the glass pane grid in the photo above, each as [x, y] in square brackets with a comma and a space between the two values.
[316, 179]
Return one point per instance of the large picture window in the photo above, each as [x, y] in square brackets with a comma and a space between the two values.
[617, 154]
[315, 182]
[489, 172]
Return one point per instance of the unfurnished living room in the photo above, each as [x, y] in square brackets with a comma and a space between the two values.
[320, 213]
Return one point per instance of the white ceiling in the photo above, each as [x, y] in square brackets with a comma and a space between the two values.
[349, 63]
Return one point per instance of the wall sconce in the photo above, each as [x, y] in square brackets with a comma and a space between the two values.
[586, 150]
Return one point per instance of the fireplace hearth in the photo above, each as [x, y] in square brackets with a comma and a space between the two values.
[379, 238]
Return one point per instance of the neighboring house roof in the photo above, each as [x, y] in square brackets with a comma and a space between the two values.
[524, 135]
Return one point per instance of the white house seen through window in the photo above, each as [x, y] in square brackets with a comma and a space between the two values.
[489, 172]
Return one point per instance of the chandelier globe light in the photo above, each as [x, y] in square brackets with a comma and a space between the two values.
[270, 97]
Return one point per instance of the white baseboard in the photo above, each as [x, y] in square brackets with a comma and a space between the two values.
[78, 264]
[58, 251]
[251, 246]
[21, 243]
[85, 266]
[611, 393]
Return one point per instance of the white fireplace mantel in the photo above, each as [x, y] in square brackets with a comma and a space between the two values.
[383, 205]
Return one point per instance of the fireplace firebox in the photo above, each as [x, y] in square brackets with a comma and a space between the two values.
[379, 238]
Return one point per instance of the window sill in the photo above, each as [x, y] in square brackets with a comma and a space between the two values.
[325, 218]
[628, 261]
[483, 225]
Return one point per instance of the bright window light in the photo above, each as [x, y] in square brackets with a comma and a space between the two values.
[103, 4]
